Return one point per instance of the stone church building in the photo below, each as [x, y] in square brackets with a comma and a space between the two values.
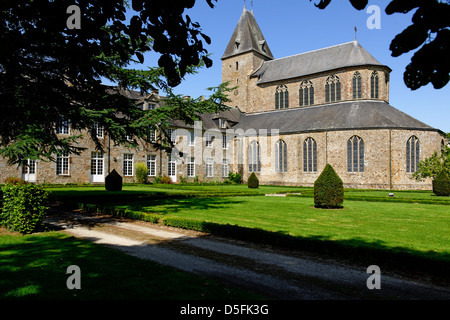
[288, 118]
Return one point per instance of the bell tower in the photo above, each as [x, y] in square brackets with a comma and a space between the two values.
[245, 53]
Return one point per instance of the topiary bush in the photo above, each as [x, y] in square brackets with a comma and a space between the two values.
[141, 173]
[328, 189]
[113, 181]
[253, 181]
[441, 184]
[24, 207]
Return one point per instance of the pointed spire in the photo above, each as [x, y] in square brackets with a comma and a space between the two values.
[247, 36]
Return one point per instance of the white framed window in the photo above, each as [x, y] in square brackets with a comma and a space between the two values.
[152, 135]
[62, 164]
[209, 167]
[172, 134]
[225, 168]
[130, 137]
[209, 140]
[191, 138]
[172, 166]
[191, 167]
[63, 127]
[128, 164]
[98, 129]
[224, 142]
[151, 165]
[96, 163]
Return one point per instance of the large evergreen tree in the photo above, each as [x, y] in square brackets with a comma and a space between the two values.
[51, 73]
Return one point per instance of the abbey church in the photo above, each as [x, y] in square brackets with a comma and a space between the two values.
[329, 105]
[288, 118]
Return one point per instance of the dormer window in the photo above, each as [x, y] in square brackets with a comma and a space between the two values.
[223, 123]
[237, 43]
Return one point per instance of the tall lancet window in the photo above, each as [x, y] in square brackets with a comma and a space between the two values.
[306, 94]
[412, 154]
[355, 154]
[281, 97]
[357, 85]
[254, 157]
[280, 156]
[333, 89]
[309, 155]
[374, 85]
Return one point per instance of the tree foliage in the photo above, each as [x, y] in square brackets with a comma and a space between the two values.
[432, 166]
[50, 73]
[429, 33]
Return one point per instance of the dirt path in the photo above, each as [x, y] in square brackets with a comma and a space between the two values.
[278, 275]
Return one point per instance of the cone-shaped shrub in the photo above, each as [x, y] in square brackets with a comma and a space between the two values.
[113, 181]
[441, 184]
[328, 189]
[253, 181]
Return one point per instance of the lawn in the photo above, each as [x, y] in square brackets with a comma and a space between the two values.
[34, 267]
[405, 222]
[420, 228]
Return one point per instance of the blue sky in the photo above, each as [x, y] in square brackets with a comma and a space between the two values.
[296, 26]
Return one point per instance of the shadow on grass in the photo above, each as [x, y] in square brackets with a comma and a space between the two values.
[35, 266]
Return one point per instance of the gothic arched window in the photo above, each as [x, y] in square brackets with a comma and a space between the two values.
[254, 157]
[306, 94]
[333, 89]
[412, 154]
[280, 156]
[355, 154]
[356, 85]
[309, 155]
[281, 97]
[374, 85]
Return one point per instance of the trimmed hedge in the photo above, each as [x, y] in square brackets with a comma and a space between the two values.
[253, 181]
[441, 184]
[328, 189]
[24, 207]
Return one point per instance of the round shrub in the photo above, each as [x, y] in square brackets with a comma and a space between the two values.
[113, 181]
[24, 207]
[441, 184]
[328, 189]
[253, 181]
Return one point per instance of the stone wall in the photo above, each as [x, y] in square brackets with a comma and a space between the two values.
[384, 158]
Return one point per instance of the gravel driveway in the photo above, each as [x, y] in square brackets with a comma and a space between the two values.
[277, 275]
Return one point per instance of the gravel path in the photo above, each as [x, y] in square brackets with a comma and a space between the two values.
[276, 275]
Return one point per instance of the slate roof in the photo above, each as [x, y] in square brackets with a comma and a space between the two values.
[349, 115]
[344, 55]
[249, 37]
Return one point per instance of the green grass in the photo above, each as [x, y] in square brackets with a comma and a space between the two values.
[418, 228]
[406, 222]
[34, 267]
[411, 224]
